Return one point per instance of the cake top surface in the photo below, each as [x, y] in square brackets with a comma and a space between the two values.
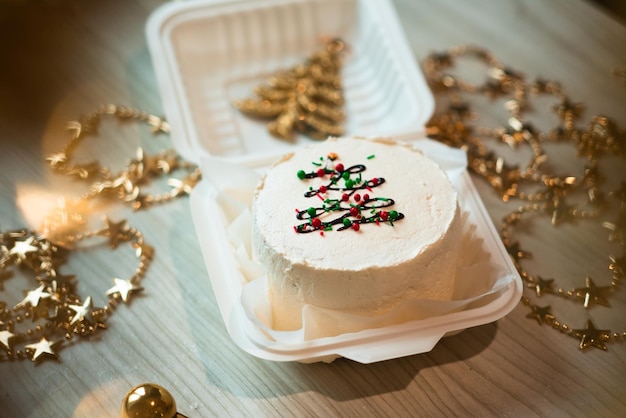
[353, 204]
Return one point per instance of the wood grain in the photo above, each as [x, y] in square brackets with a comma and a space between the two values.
[64, 58]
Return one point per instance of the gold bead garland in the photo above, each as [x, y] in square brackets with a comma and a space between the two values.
[589, 295]
[53, 313]
[127, 184]
[546, 193]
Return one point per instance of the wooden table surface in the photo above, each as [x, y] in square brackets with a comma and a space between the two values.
[63, 58]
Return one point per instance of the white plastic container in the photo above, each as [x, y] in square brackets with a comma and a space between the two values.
[208, 53]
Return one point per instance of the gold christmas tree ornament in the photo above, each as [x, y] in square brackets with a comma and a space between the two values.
[307, 98]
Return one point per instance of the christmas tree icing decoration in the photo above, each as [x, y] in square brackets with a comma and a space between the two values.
[347, 199]
[307, 98]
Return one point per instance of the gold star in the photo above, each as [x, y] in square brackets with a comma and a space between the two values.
[561, 212]
[59, 315]
[5, 339]
[123, 288]
[591, 336]
[147, 165]
[33, 297]
[169, 161]
[57, 160]
[504, 179]
[516, 252]
[541, 285]
[599, 137]
[592, 176]
[115, 231]
[43, 309]
[43, 347]
[517, 133]
[593, 293]
[83, 312]
[618, 265]
[541, 314]
[21, 248]
[185, 185]
[568, 111]
[543, 86]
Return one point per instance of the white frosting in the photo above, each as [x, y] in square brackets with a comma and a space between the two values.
[369, 271]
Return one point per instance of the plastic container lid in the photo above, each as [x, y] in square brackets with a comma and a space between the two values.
[209, 53]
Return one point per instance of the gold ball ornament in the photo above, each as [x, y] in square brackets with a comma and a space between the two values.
[149, 401]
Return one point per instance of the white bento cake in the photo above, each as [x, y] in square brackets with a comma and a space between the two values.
[355, 225]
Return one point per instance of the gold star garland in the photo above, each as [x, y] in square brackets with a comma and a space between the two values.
[127, 185]
[53, 313]
[552, 196]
